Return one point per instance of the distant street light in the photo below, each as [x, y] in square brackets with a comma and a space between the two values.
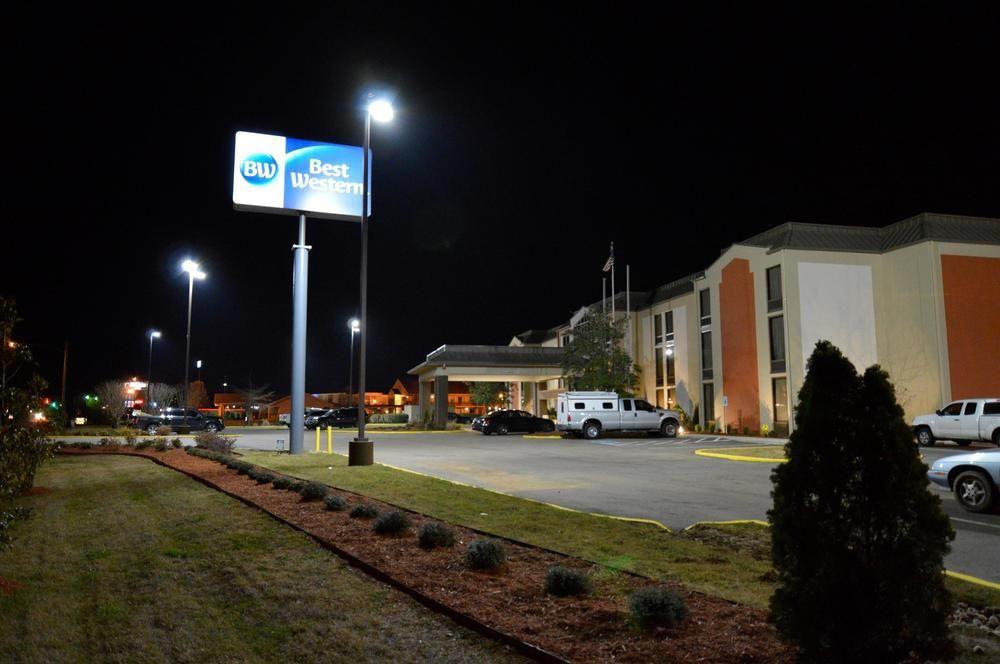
[153, 334]
[360, 450]
[194, 272]
[198, 364]
[355, 326]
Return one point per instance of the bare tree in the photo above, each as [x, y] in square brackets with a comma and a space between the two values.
[253, 396]
[163, 395]
[112, 395]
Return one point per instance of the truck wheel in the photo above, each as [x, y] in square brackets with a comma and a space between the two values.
[669, 429]
[996, 437]
[151, 429]
[973, 491]
[924, 437]
[591, 430]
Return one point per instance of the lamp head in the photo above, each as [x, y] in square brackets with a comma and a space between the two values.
[381, 110]
[354, 324]
[189, 265]
[155, 334]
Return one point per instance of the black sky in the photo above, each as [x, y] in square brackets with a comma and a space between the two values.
[525, 142]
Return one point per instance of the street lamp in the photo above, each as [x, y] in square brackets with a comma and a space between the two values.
[360, 452]
[153, 334]
[355, 326]
[194, 272]
[198, 364]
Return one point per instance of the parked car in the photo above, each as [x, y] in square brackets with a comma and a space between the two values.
[973, 477]
[962, 421]
[590, 414]
[180, 420]
[335, 417]
[502, 422]
[286, 418]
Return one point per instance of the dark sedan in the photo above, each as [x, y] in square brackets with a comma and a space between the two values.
[335, 417]
[502, 422]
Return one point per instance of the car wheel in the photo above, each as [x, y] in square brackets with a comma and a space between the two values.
[151, 429]
[963, 443]
[211, 427]
[973, 491]
[591, 430]
[669, 429]
[924, 437]
[501, 429]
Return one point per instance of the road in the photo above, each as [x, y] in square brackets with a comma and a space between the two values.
[651, 478]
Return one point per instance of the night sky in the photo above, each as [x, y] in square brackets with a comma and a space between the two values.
[524, 144]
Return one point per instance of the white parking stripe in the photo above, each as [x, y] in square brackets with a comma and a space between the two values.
[978, 523]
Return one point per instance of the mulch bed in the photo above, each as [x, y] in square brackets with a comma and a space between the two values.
[512, 599]
[37, 491]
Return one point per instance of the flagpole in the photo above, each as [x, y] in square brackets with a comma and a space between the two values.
[628, 308]
[604, 295]
[612, 281]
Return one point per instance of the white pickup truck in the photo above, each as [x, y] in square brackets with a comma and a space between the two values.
[962, 421]
[589, 414]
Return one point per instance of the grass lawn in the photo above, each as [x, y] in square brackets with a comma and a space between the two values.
[129, 561]
[726, 561]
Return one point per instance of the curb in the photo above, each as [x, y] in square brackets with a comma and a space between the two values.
[735, 457]
[734, 522]
[631, 519]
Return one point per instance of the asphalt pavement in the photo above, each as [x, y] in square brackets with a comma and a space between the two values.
[652, 478]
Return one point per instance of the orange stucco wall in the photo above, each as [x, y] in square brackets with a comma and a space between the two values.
[739, 345]
[972, 318]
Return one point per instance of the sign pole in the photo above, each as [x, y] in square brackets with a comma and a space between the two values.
[359, 450]
[300, 287]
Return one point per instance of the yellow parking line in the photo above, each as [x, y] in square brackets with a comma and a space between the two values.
[736, 457]
[972, 579]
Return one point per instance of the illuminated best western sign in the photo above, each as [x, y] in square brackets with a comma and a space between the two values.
[292, 176]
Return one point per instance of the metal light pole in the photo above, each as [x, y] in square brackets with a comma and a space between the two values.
[360, 450]
[300, 288]
[153, 334]
[355, 326]
[194, 272]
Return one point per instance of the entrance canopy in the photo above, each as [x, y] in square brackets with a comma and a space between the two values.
[491, 363]
[522, 365]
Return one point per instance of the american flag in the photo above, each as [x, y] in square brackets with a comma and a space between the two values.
[610, 262]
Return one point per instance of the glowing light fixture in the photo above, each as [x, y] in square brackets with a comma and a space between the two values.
[381, 111]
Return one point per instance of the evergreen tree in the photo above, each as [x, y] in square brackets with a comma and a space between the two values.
[858, 540]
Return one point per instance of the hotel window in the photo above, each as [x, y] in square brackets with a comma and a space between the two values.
[708, 403]
[779, 389]
[657, 329]
[658, 354]
[671, 375]
[668, 326]
[774, 300]
[706, 355]
[777, 334]
[705, 307]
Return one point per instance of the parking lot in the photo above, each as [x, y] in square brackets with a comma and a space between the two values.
[651, 478]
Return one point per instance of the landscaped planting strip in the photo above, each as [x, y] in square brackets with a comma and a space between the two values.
[527, 649]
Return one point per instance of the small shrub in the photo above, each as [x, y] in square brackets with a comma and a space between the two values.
[265, 477]
[434, 534]
[485, 554]
[163, 430]
[112, 442]
[314, 491]
[159, 444]
[365, 511]
[244, 468]
[746, 431]
[655, 606]
[297, 486]
[130, 437]
[563, 582]
[391, 523]
[210, 440]
[141, 444]
[281, 483]
[335, 503]
[176, 442]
